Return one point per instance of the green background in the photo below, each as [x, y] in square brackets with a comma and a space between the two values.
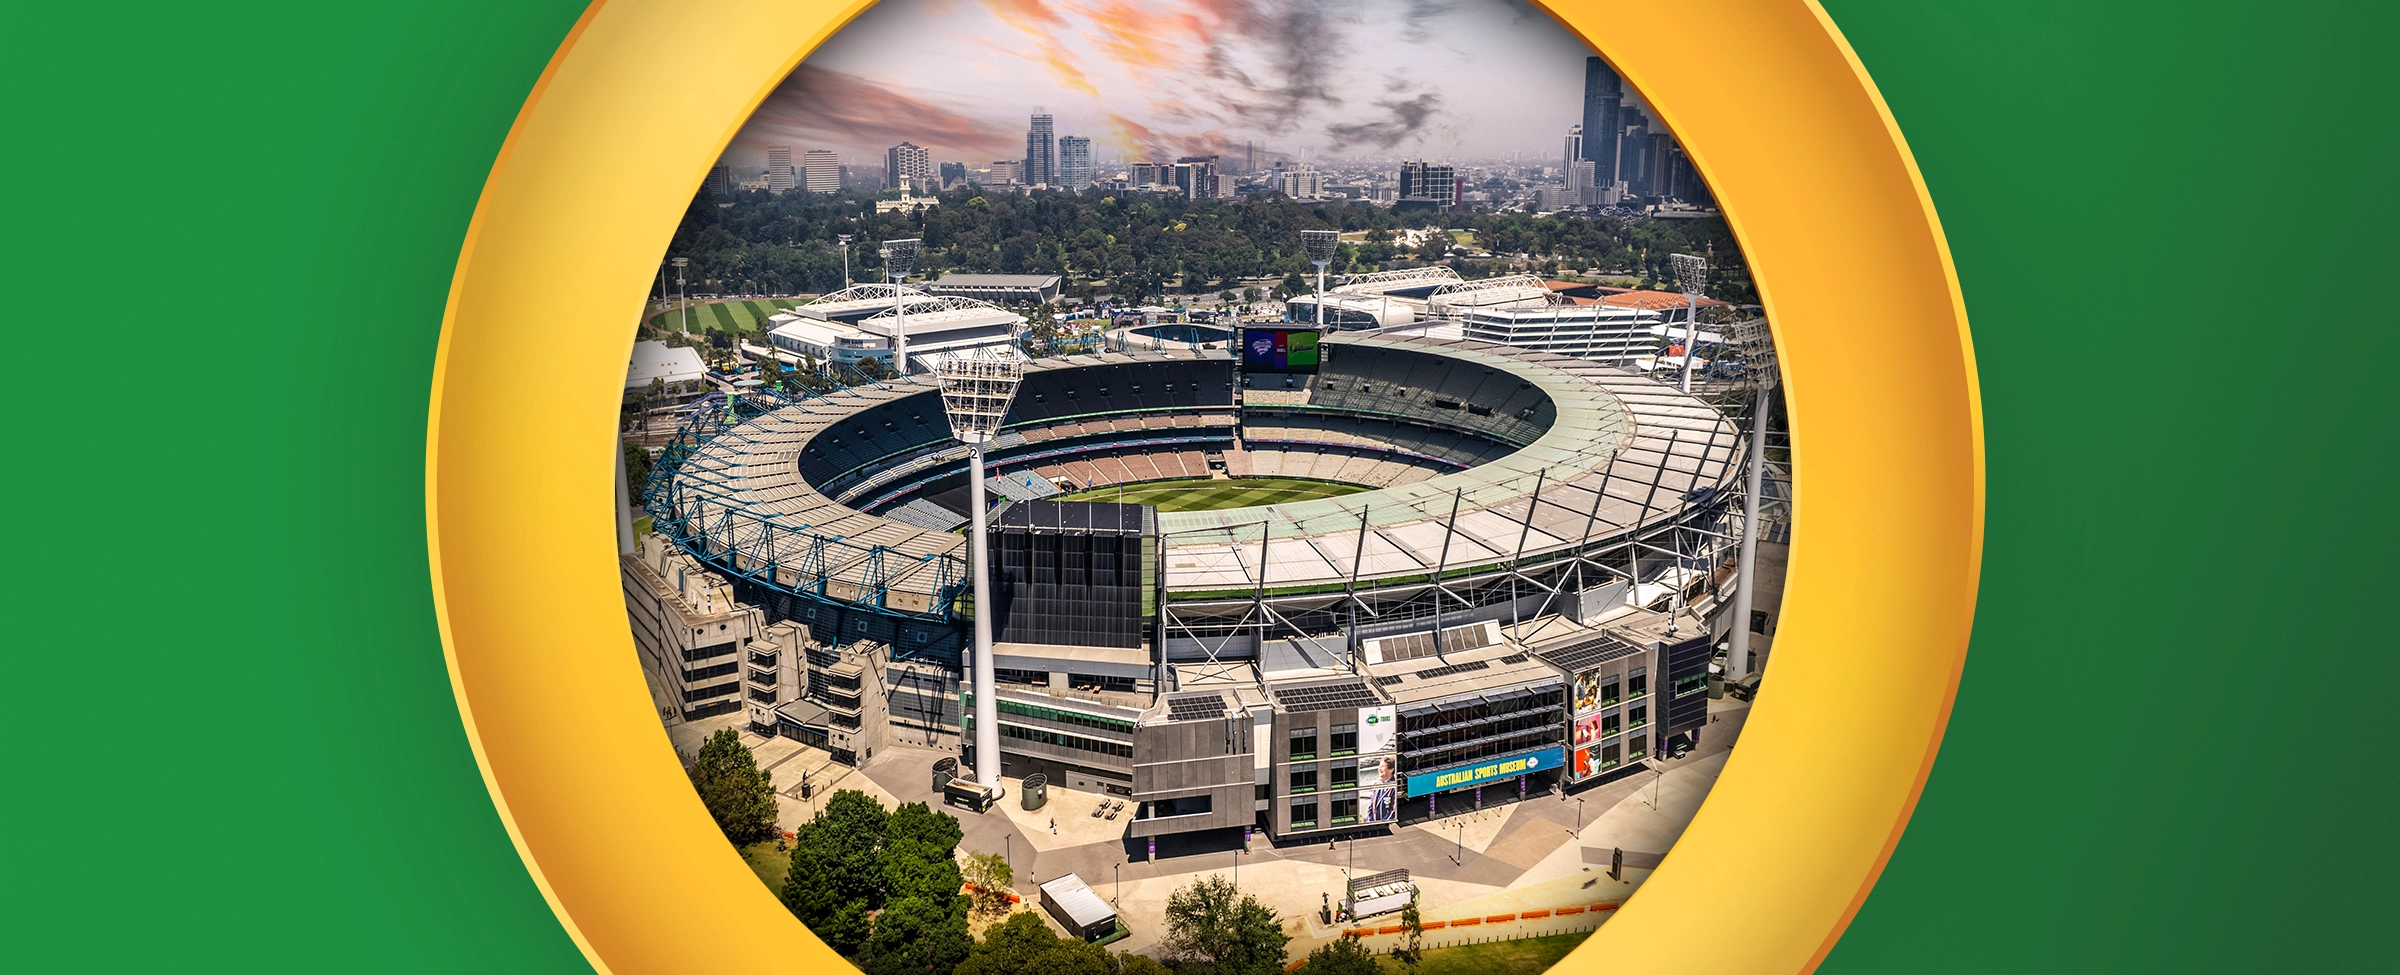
[230, 233]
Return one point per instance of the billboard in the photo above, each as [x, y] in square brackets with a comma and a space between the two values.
[1279, 350]
[1485, 773]
[1587, 691]
[1378, 770]
[1377, 729]
[1381, 806]
[1587, 730]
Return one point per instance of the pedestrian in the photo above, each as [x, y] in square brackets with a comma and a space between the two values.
[1054, 826]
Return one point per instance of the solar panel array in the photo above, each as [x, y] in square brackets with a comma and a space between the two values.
[1326, 697]
[1195, 707]
[1514, 658]
[1588, 653]
[1390, 681]
[1410, 646]
[1445, 671]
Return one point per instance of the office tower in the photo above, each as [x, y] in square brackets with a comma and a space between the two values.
[824, 170]
[1654, 163]
[1074, 163]
[1422, 181]
[1041, 153]
[1147, 174]
[1196, 176]
[1603, 94]
[1574, 148]
[1007, 171]
[954, 173]
[1580, 191]
[903, 161]
[779, 169]
[720, 182]
[1632, 149]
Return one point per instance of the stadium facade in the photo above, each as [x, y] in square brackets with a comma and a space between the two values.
[1526, 596]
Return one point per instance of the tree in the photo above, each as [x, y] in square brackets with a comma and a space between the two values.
[835, 878]
[1413, 923]
[1214, 929]
[1342, 956]
[919, 935]
[637, 470]
[1023, 944]
[992, 877]
[739, 795]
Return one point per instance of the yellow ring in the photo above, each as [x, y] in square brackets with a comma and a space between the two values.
[1779, 116]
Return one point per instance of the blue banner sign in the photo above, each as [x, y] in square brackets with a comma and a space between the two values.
[1495, 770]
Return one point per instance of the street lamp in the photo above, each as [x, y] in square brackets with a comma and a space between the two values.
[845, 239]
[680, 263]
[1460, 855]
[1320, 245]
[976, 391]
[1118, 898]
[1756, 345]
[1691, 274]
[1579, 816]
[899, 256]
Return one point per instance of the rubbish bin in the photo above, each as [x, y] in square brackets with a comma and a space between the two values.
[1035, 791]
[943, 772]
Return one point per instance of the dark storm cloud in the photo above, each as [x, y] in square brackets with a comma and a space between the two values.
[818, 107]
[1401, 119]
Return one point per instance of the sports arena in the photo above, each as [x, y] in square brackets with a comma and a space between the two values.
[1452, 573]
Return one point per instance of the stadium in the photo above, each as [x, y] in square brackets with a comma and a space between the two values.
[1432, 575]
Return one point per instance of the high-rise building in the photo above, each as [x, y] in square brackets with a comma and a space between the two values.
[1424, 182]
[824, 169]
[1580, 191]
[1074, 163]
[1006, 172]
[1041, 153]
[780, 176]
[1603, 95]
[1144, 174]
[1633, 149]
[1574, 148]
[1196, 176]
[903, 161]
[720, 181]
[954, 173]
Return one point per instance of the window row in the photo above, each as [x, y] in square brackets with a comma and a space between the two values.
[1058, 740]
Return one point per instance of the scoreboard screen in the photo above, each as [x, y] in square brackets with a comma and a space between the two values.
[1279, 350]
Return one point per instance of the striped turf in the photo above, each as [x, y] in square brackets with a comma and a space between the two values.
[1197, 494]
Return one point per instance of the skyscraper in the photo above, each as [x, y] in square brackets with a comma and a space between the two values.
[1074, 163]
[1603, 95]
[1633, 149]
[1041, 153]
[720, 182]
[1197, 176]
[903, 161]
[779, 169]
[824, 171]
[1424, 182]
[1574, 148]
[954, 172]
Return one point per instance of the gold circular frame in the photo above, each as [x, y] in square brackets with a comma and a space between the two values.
[1779, 115]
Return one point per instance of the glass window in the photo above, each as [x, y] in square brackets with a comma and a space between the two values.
[1609, 755]
[1304, 743]
[1610, 692]
[1634, 748]
[1637, 685]
[1345, 739]
[1345, 777]
[1609, 724]
[1345, 811]
[1305, 781]
[1637, 716]
[1304, 814]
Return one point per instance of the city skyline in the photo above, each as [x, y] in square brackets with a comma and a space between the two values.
[1319, 80]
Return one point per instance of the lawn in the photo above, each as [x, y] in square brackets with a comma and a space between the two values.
[1527, 956]
[768, 862]
[721, 316]
[1200, 494]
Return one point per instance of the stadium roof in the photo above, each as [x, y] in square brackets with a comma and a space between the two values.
[658, 360]
[1656, 300]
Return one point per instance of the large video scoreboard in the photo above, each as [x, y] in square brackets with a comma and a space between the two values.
[1280, 350]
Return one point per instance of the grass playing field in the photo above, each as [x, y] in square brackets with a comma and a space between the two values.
[1198, 494]
[723, 316]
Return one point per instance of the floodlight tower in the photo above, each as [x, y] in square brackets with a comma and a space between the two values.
[976, 390]
[845, 239]
[899, 256]
[1757, 348]
[1320, 245]
[680, 264]
[1691, 274]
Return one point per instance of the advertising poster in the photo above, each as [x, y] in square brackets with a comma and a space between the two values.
[1378, 728]
[1378, 770]
[1279, 350]
[1583, 764]
[1587, 730]
[1382, 805]
[1587, 691]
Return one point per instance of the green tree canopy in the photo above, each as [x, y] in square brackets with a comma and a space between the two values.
[739, 795]
[1214, 929]
[1342, 956]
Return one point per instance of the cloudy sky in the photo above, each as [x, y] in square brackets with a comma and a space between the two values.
[1156, 79]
